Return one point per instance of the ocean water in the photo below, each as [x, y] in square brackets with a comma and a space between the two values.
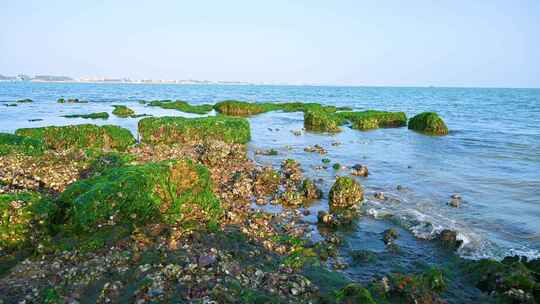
[491, 156]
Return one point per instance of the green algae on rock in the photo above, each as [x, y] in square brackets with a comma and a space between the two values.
[310, 190]
[70, 100]
[27, 100]
[372, 119]
[122, 111]
[107, 137]
[512, 280]
[345, 193]
[320, 121]
[98, 115]
[242, 108]
[429, 123]
[354, 293]
[11, 143]
[21, 218]
[182, 106]
[170, 130]
[175, 192]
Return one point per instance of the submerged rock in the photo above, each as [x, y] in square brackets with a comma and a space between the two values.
[181, 106]
[316, 148]
[170, 130]
[429, 123]
[70, 100]
[380, 196]
[372, 119]
[390, 235]
[107, 137]
[310, 190]
[455, 201]
[345, 193]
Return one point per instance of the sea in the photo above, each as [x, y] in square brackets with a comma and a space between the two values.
[491, 157]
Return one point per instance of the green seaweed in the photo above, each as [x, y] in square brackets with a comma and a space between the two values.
[176, 192]
[70, 100]
[371, 119]
[98, 115]
[320, 121]
[242, 108]
[27, 100]
[122, 111]
[81, 136]
[428, 123]
[182, 106]
[21, 217]
[11, 143]
[170, 130]
[345, 192]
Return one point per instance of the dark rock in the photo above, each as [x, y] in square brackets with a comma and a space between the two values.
[360, 170]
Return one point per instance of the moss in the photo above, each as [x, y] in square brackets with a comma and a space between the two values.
[429, 123]
[122, 111]
[345, 193]
[11, 105]
[178, 192]
[371, 119]
[104, 161]
[98, 115]
[27, 100]
[81, 136]
[70, 100]
[242, 108]
[500, 277]
[326, 160]
[418, 288]
[182, 106]
[22, 217]
[354, 293]
[336, 166]
[320, 121]
[170, 130]
[10, 143]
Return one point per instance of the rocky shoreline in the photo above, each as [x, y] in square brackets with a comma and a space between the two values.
[90, 215]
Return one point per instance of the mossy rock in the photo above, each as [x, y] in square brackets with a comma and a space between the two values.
[182, 106]
[70, 100]
[428, 123]
[310, 190]
[11, 143]
[98, 115]
[22, 217]
[122, 111]
[354, 293]
[107, 137]
[177, 192]
[345, 193]
[27, 100]
[512, 273]
[372, 119]
[242, 108]
[171, 130]
[320, 121]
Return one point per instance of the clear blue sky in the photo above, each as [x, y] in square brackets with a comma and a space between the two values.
[454, 43]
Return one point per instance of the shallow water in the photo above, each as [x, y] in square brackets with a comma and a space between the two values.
[491, 156]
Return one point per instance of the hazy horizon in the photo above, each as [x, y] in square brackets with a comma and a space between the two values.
[347, 43]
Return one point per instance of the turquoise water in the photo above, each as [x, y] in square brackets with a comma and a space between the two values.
[491, 156]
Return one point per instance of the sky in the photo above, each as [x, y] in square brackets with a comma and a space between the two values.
[477, 43]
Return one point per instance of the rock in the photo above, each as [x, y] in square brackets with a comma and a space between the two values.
[320, 121]
[310, 190]
[206, 260]
[428, 123]
[182, 106]
[380, 196]
[448, 238]
[399, 188]
[390, 235]
[106, 137]
[171, 130]
[315, 148]
[371, 119]
[269, 152]
[122, 111]
[360, 170]
[345, 193]
[355, 293]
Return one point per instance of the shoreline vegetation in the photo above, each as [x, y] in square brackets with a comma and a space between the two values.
[90, 214]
